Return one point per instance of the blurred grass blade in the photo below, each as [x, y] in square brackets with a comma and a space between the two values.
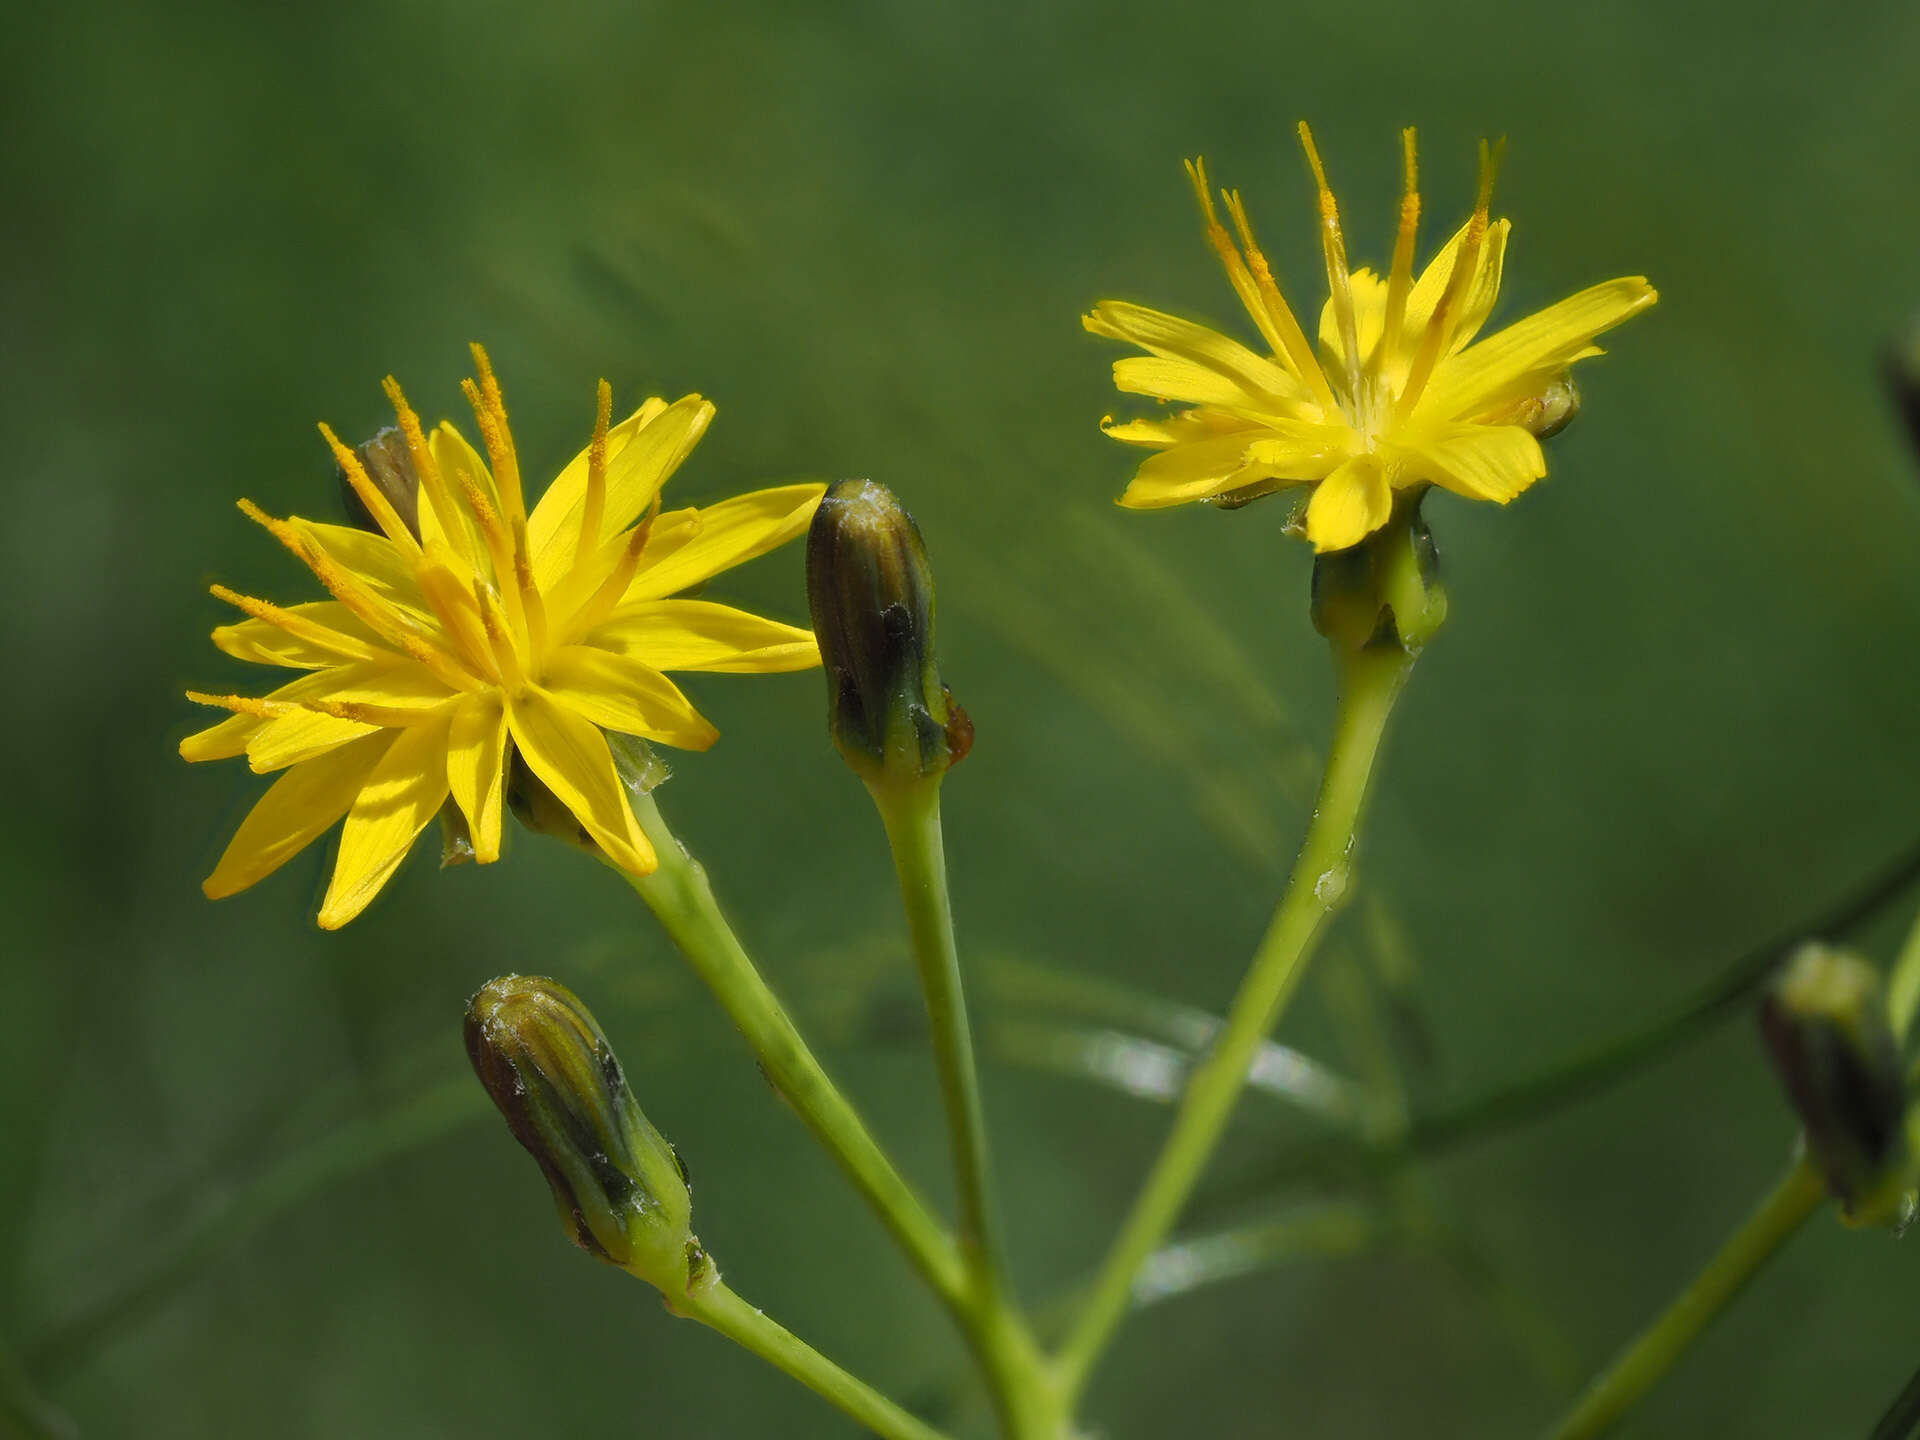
[354, 1147]
[26, 1414]
[1318, 1232]
[1902, 1420]
[1149, 1070]
[1152, 1062]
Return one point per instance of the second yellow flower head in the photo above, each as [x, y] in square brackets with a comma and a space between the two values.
[1396, 395]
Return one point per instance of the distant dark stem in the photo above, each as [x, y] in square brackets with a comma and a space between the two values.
[1902, 1419]
[1593, 1068]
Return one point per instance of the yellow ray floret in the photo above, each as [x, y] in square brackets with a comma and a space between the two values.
[1400, 393]
[488, 631]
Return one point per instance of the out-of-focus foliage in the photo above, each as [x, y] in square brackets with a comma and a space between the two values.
[1673, 709]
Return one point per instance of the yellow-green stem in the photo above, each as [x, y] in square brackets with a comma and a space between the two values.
[911, 813]
[1654, 1352]
[719, 1308]
[1321, 881]
[683, 901]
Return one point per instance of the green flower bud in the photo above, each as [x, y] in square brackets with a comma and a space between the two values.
[1825, 1021]
[1384, 591]
[871, 594]
[1903, 381]
[390, 466]
[619, 1187]
[1552, 410]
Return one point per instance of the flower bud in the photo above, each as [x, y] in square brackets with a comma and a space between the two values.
[1825, 1022]
[1903, 381]
[619, 1187]
[1386, 590]
[389, 465]
[1552, 410]
[871, 594]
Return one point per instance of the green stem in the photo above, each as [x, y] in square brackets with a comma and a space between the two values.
[1320, 883]
[1592, 1068]
[719, 1308]
[683, 901]
[1642, 1364]
[911, 814]
[1903, 985]
[681, 898]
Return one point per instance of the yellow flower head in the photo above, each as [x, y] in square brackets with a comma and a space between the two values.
[468, 626]
[1398, 394]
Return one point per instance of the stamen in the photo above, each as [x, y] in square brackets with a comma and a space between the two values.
[490, 414]
[506, 463]
[345, 587]
[298, 625]
[500, 544]
[596, 501]
[607, 597]
[449, 592]
[371, 495]
[243, 704]
[1465, 265]
[1400, 277]
[1285, 336]
[506, 657]
[452, 524]
[1339, 280]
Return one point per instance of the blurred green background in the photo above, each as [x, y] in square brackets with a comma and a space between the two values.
[1674, 711]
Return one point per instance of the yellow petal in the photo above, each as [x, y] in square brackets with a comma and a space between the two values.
[398, 801]
[1482, 375]
[1481, 462]
[619, 693]
[301, 637]
[296, 808]
[1471, 311]
[1369, 315]
[699, 635]
[301, 735]
[233, 735]
[343, 704]
[1203, 468]
[1349, 505]
[224, 740]
[1170, 337]
[1163, 378]
[570, 755]
[634, 477]
[476, 768]
[1178, 428]
[688, 546]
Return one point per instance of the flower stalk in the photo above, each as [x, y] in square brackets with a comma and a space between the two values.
[1657, 1348]
[1371, 678]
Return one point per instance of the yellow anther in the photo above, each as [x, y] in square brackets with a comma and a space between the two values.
[296, 624]
[1400, 275]
[1283, 331]
[1339, 281]
[243, 704]
[494, 622]
[445, 508]
[386, 621]
[1466, 264]
[488, 400]
[371, 495]
[595, 504]
[613, 589]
